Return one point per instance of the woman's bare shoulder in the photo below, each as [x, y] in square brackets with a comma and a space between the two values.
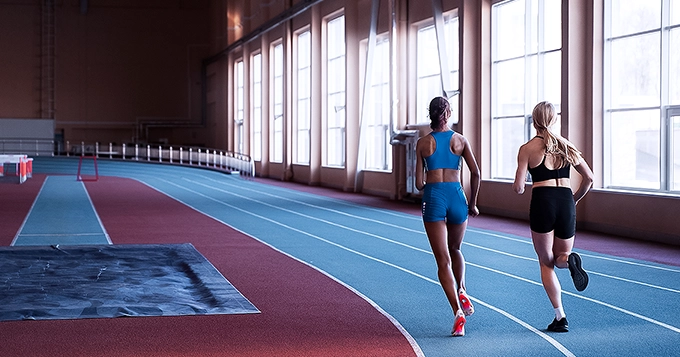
[534, 144]
[532, 148]
[459, 136]
[425, 140]
[425, 144]
[458, 142]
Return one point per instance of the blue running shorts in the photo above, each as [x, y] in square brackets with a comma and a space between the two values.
[444, 201]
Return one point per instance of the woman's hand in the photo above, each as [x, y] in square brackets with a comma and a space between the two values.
[473, 211]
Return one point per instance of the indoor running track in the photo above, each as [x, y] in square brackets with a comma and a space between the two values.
[630, 307]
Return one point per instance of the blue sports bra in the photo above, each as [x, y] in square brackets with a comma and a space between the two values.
[542, 173]
[442, 157]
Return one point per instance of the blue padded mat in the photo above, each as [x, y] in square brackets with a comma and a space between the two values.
[103, 281]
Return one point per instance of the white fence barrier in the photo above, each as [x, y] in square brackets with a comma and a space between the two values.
[175, 155]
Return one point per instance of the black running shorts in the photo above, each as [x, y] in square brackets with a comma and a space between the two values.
[553, 208]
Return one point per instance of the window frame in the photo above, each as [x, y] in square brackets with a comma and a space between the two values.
[533, 89]
[256, 109]
[382, 148]
[421, 104]
[239, 104]
[276, 148]
[664, 104]
[303, 104]
[337, 126]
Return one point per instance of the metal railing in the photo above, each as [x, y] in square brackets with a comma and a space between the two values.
[37, 147]
[164, 154]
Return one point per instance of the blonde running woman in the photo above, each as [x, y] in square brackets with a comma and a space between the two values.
[445, 207]
[548, 157]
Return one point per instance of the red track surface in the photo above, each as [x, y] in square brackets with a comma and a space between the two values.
[15, 202]
[303, 312]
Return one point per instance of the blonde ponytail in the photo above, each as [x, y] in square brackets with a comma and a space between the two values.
[561, 149]
[564, 152]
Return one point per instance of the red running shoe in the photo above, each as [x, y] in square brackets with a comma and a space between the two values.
[459, 325]
[465, 304]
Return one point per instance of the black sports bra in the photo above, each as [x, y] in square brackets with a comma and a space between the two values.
[542, 173]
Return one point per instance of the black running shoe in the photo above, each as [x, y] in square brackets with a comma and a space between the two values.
[579, 275]
[559, 325]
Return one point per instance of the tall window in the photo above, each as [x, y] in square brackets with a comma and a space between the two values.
[304, 81]
[335, 91]
[256, 113]
[377, 138]
[428, 70]
[238, 107]
[526, 68]
[642, 95]
[276, 147]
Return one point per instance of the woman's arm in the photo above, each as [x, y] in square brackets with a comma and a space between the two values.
[522, 167]
[420, 170]
[586, 180]
[475, 179]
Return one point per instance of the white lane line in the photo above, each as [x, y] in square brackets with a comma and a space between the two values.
[101, 225]
[546, 337]
[502, 236]
[61, 234]
[502, 252]
[635, 282]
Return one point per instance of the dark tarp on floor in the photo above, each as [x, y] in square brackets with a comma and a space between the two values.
[97, 281]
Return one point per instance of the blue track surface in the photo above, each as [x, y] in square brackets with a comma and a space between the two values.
[62, 214]
[630, 307]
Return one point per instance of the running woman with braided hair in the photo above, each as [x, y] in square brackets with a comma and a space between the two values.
[548, 157]
[444, 205]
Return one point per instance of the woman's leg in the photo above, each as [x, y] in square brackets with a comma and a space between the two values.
[437, 235]
[456, 233]
[561, 250]
[543, 245]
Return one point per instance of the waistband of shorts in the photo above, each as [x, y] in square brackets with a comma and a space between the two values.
[447, 183]
[551, 188]
[560, 193]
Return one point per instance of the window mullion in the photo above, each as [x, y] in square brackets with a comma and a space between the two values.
[540, 56]
[666, 139]
[527, 65]
[606, 97]
[665, 52]
[668, 114]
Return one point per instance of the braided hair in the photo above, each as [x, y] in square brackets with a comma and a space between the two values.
[440, 111]
[544, 115]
